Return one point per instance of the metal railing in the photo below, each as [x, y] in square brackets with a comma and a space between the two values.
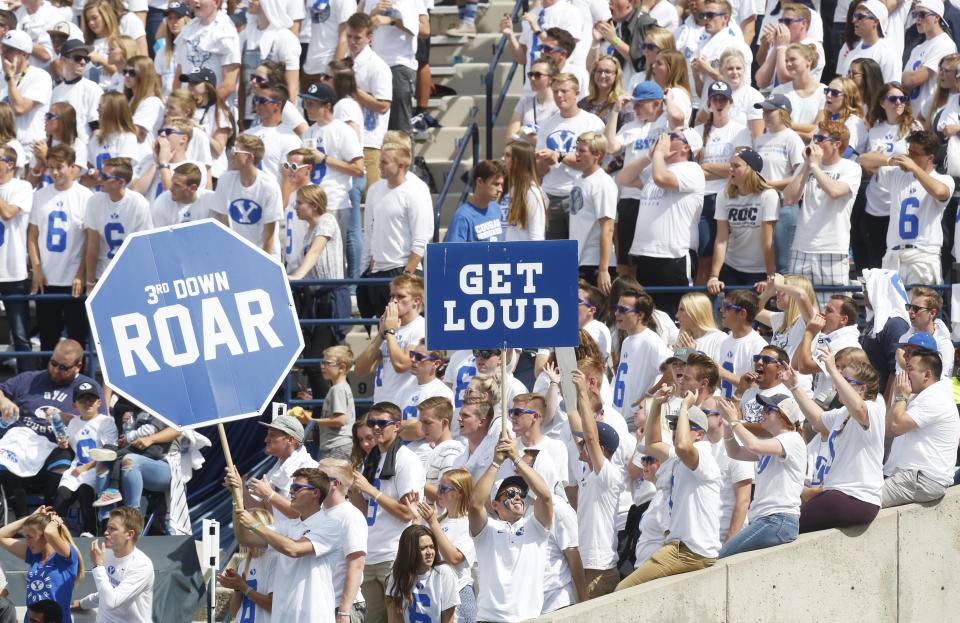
[470, 137]
[493, 109]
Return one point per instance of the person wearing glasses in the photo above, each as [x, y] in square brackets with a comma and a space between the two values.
[248, 200]
[510, 543]
[870, 20]
[81, 93]
[536, 107]
[526, 418]
[924, 307]
[31, 437]
[529, 45]
[891, 122]
[720, 36]
[693, 524]
[919, 77]
[641, 352]
[301, 583]
[792, 27]
[392, 479]
[828, 185]
[671, 199]
[278, 139]
[169, 152]
[843, 104]
[737, 313]
[267, 36]
[763, 381]
[424, 365]
[26, 87]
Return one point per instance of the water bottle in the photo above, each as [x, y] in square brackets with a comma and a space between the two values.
[59, 430]
[129, 425]
[7, 421]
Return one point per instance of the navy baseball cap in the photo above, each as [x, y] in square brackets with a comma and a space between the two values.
[775, 101]
[607, 436]
[720, 88]
[200, 74]
[74, 45]
[85, 389]
[752, 158]
[512, 481]
[180, 8]
[321, 93]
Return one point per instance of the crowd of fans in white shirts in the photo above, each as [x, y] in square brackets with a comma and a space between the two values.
[713, 143]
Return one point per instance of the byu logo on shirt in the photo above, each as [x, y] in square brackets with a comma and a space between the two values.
[561, 140]
[245, 211]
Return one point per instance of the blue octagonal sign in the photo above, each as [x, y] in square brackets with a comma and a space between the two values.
[194, 324]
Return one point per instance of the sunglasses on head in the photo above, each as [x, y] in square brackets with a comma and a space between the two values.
[821, 138]
[259, 99]
[486, 353]
[832, 92]
[380, 423]
[296, 488]
[169, 131]
[421, 356]
[766, 359]
[896, 99]
[517, 412]
[622, 309]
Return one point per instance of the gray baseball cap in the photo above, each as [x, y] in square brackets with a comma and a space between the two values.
[288, 425]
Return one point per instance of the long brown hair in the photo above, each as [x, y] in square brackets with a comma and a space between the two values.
[906, 123]
[147, 82]
[115, 116]
[67, 123]
[406, 564]
[616, 91]
[521, 176]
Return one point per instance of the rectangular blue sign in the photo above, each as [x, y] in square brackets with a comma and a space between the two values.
[487, 294]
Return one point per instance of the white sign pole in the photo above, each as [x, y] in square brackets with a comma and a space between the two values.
[567, 363]
[503, 393]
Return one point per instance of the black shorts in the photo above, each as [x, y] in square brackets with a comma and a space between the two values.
[58, 457]
[423, 50]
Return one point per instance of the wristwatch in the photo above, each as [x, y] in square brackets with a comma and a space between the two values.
[899, 397]
[163, 165]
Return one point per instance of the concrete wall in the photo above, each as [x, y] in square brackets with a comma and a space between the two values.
[905, 566]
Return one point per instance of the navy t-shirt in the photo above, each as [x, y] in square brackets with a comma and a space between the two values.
[35, 394]
[881, 350]
[52, 580]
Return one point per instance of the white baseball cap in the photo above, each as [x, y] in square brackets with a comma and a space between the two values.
[879, 11]
[935, 6]
[18, 40]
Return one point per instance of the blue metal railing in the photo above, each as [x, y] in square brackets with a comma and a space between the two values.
[493, 109]
[470, 137]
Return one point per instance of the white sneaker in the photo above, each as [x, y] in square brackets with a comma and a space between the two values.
[462, 30]
[102, 455]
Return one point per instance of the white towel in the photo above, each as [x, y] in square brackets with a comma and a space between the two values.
[888, 297]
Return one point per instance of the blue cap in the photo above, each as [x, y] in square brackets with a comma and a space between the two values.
[607, 436]
[647, 90]
[752, 158]
[720, 88]
[922, 339]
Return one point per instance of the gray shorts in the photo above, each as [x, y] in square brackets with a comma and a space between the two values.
[910, 485]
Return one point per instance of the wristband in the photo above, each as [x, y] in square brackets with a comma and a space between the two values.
[254, 529]
[270, 497]
[713, 279]
[247, 592]
[557, 383]
[781, 47]
[379, 493]
[342, 614]
[497, 465]
[736, 423]
[730, 438]
[324, 161]
[616, 41]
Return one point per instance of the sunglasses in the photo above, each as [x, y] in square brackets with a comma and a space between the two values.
[290, 166]
[853, 381]
[169, 131]
[585, 303]
[710, 14]
[790, 20]
[79, 58]
[766, 359]
[916, 308]
[60, 366]
[648, 460]
[259, 99]
[51, 115]
[443, 489]
[107, 178]
[860, 16]
[731, 305]
[622, 309]
[380, 423]
[8, 160]
[485, 353]
[923, 14]
[897, 99]
[833, 92]
[693, 427]
[550, 48]
[130, 73]
[533, 75]
[295, 488]
[329, 363]
[772, 408]
[514, 493]
[517, 412]
[259, 79]
[650, 46]
[674, 135]
[709, 411]
[822, 138]
[418, 357]
[238, 152]
[325, 76]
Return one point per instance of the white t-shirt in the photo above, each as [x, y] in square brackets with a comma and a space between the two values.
[337, 140]
[718, 43]
[558, 15]
[408, 407]
[457, 530]
[532, 111]
[390, 384]
[166, 211]
[13, 243]
[383, 536]
[669, 215]
[212, 45]
[601, 334]
[915, 214]
[597, 504]
[737, 357]
[402, 223]
[308, 579]
[751, 409]
[353, 539]
[944, 345]
[34, 84]
[373, 77]
[823, 225]
[886, 55]
[84, 95]
[149, 116]
[557, 579]
[718, 148]
[118, 144]
[442, 459]
[394, 45]
[84, 435]
[732, 471]
[536, 203]
[278, 142]
[517, 551]
[349, 110]
[637, 137]
[932, 446]
[741, 108]
[886, 139]
[434, 592]
[855, 455]
[124, 588]
[781, 151]
[745, 215]
[325, 18]
[560, 134]
[779, 480]
[803, 109]
[928, 54]
[114, 221]
[640, 358]
[711, 343]
[592, 199]
[58, 216]
[250, 208]
[280, 477]
[694, 502]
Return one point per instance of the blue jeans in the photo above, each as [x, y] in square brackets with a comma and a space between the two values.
[783, 236]
[354, 242]
[18, 317]
[145, 473]
[764, 532]
[154, 19]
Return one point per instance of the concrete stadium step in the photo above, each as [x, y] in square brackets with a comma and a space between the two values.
[449, 206]
[467, 79]
[488, 17]
[443, 49]
[446, 140]
[462, 110]
[440, 169]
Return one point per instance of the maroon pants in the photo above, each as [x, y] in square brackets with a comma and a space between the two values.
[835, 509]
